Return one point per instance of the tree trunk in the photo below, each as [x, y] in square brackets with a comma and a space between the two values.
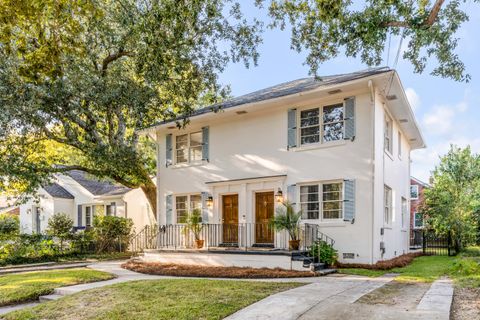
[150, 191]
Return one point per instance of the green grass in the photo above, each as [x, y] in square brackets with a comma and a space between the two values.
[363, 272]
[426, 269]
[28, 286]
[156, 299]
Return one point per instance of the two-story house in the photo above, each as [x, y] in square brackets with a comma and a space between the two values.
[337, 147]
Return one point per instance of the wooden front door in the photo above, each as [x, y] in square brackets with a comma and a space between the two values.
[264, 210]
[230, 218]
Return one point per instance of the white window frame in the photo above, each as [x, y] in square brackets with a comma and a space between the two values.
[321, 202]
[188, 205]
[415, 221]
[418, 190]
[387, 205]
[321, 124]
[387, 134]
[404, 204]
[189, 147]
[399, 144]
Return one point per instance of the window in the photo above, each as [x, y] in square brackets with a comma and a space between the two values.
[399, 144]
[309, 126]
[111, 209]
[387, 198]
[189, 147]
[186, 204]
[388, 134]
[418, 220]
[88, 216]
[332, 127]
[404, 212]
[329, 194]
[414, 192]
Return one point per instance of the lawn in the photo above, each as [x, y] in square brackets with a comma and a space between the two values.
[28, 286]
[156, 299]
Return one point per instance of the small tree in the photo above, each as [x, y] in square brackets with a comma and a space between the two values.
[287, 219]
[60, 225]
[9, 226]
[110, 231]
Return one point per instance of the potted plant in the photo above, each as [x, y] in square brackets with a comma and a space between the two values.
[193, 223]
[287, 219]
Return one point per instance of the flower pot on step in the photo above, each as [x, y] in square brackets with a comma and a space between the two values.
[294, 244]
[199, 244]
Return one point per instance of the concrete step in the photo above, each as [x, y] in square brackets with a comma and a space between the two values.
[50, 297]
[324, 272]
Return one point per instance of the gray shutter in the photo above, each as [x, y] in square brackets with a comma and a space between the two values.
[349, 200]
[79, 215]
[169, 208]
[204, 207]
[292, 193]
[350, 119]
[168, 150]
[205, 143]
[292, 128]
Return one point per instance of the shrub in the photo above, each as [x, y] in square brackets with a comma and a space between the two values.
[327, 254]
[9, 226]
[112, 233]
[60, 225]
[287, 219]
[28, 249]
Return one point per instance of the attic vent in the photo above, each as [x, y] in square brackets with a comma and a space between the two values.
[335, 91]
[391, 97]
[241, 112]
[349, 255]
[413, 140]
[403, 120]
[171, 127]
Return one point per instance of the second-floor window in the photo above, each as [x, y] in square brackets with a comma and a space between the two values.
[388, 134]
[330, 128]
[188, 147]
[414, 192]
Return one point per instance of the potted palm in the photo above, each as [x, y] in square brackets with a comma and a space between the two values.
[287, 219]
[194, 224]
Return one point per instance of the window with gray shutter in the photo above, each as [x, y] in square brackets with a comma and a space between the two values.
[350, 118]
[204, 207]
[205, 143]
[168, 150]
[292, 128]
[349, 200]
[79, 215]
[169, 208]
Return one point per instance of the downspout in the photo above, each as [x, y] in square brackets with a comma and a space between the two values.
[372, 100]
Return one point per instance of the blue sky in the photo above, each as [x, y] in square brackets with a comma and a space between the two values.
[447, 111]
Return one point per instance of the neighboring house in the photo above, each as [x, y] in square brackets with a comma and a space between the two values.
[417, 188]
[7, 206]
[337, 147]
[82, 196]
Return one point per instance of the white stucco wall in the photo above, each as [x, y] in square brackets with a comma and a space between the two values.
[138, 209]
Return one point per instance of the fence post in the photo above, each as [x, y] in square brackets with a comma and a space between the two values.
[449, 242]
[424, 241]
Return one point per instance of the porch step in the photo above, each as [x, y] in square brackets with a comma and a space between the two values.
[228, 245]
[316, 266]
[325, 272]
[262, 245]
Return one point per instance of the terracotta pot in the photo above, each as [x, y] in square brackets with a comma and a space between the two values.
[294, 244]
[199, 244]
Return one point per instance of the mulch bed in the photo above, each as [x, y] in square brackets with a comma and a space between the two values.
[398, 262]
[466, 304]
[163, 269]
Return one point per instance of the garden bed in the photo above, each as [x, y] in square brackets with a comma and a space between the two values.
[212, 272]
[398, 262]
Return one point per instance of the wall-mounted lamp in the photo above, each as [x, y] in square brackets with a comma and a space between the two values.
[279, 195]
[29, 211]
[210, 201]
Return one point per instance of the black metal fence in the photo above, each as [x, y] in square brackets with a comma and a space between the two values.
[432, 243]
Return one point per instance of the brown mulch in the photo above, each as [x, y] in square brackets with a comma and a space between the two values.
[212, 272]
[466, 304]
[398, 262]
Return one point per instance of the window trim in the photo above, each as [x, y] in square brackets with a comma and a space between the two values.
[320, 124]
[387, 218]
[320, 200]
[188, 149]
[404, 204]
[399, 147]
[415, 221]
[388, 134]
[418, 190]
[188, 203]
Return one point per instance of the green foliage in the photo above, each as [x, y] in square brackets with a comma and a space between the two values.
[60, 225]
[327, 28]
[29, 249]
[452, 203]
[194, 224]
[111, 233]
[324, 251]
[9, 226]
[287, 219]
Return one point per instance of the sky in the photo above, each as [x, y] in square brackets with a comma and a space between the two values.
[447, 111]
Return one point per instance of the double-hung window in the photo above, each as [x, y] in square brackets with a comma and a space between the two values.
[414, 192]
[185, 204]
[322, 201]
[418, 223]
[404, 212]
[387, 198]
[387, 142]
[330, 128]
[399, 144]
[189, 147]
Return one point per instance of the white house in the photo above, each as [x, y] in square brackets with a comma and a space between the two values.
[81, 196]
[337, 147]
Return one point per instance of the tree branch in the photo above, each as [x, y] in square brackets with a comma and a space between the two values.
[434, 13]
[114, 56]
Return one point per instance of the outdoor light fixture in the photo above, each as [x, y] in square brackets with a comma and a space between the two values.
[279, 195]
[210, 201]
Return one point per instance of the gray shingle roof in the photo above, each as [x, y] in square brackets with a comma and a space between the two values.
[57, 191]
[96, 186]
[286, 89]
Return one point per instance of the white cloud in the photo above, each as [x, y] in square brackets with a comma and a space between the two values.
[413, 98]
[440, 121]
